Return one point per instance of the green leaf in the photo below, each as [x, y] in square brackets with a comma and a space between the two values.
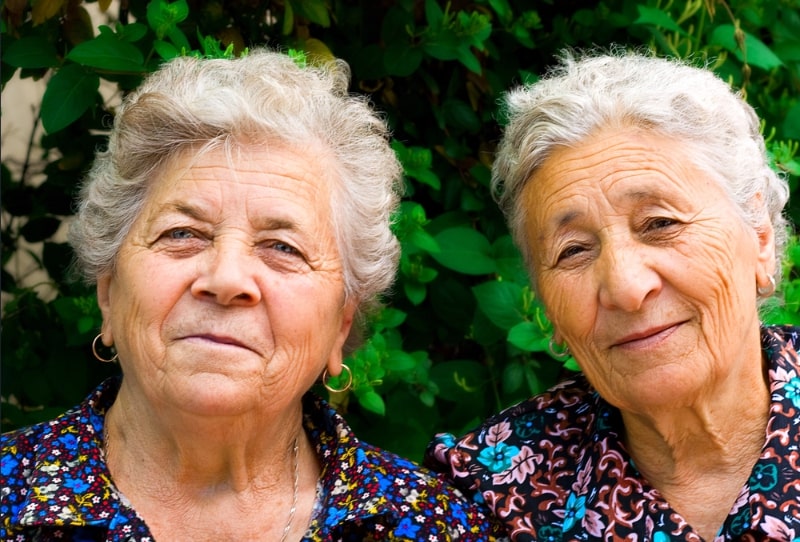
[423, 240]
[31, 52]
[791, 123]
[288, 19]
[371, 401]
[390, 317]
[180, 40]
[132, 32]
[757, 53]
[108, 52]
[532, 379]
[86, 324]
[464, 250]
[509, 261]
[163, 16]
[433, 13]
[513, 375]
[657, 17]
[69, 94]
[459, 114]
[401, 59]
[468, 59]
[501, 301]
[503, 10]
[315, 11]
[166, 50]
[528, 336]
[788, 51]
[415, 292]
[442, 44]
[399, 361]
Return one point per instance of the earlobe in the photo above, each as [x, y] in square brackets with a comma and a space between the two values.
[104, 302]
[334, 364]
[766, 253]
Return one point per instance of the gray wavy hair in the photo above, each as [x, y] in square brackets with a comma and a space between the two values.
[195, 105]
[595, 90]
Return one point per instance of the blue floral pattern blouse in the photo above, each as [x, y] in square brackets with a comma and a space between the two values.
[55, 486]
[554, 468]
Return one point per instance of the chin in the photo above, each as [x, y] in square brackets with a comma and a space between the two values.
[659, 390]
[215, 394]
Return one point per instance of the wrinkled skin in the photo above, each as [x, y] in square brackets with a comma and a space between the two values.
[647, 270]
[228, 294]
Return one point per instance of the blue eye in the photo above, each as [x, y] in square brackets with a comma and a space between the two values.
[283, 247]
[180, 233]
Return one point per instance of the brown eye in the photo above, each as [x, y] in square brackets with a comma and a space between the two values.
[659, 223]
[570, 252]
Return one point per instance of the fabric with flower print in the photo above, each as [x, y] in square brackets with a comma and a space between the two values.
[56, 486]
[553, 468]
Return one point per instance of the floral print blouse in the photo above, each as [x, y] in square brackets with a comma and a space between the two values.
[554, 468]
[56, 486]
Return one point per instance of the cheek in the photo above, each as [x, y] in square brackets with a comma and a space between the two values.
[569, 305]
[142, 299]
[719, 272]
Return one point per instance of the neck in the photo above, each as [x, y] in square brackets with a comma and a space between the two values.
[703, 452]
[725, 425]
[187, 453]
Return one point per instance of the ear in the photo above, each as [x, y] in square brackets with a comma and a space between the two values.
[104, 302]
[766, 260]
[335, 360]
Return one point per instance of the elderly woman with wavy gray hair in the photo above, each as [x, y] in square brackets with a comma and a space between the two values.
[237, 228]
[642, 199]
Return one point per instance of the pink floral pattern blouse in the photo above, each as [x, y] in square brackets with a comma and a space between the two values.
[554, 468]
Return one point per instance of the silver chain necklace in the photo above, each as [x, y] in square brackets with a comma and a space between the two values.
[295, 451]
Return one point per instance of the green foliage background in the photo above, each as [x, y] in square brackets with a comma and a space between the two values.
[462, 335]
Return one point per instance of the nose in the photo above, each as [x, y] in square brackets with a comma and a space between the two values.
[627, 276]
[228, 275]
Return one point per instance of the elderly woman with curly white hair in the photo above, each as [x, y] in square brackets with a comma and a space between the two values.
[236, 227]
[640, 194]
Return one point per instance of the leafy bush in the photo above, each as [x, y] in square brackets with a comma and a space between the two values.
[462, 335]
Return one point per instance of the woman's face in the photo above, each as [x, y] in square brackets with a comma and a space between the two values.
[228, 291]
[646, 268]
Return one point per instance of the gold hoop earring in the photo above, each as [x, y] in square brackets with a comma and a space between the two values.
[326, 379]
[557, 351]
[98, 356]
[767, 291]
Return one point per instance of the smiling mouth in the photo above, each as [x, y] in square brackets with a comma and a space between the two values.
[647, 337]
[217, 339]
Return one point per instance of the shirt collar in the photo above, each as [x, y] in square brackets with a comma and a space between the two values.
[352, 481]
[69, 481]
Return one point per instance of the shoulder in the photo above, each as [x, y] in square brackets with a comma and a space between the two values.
[425, 502]
[370, 490]
[547, 430]
[19, 447]
[780, 343]
[567, 410]
[25, 453]
[39, 459]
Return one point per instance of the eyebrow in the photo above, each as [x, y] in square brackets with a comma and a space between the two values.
[264, 224]
[564, 219]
